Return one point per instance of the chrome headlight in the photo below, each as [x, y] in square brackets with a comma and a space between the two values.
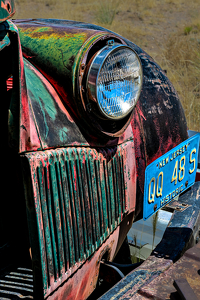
[114, 80]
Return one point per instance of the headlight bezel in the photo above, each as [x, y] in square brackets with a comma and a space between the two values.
[95, 68]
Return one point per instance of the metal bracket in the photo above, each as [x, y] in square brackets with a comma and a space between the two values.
[176, 205]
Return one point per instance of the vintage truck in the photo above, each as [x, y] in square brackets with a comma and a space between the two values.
[85, 113]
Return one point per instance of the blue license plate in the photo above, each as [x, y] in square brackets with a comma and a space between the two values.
[170, 175]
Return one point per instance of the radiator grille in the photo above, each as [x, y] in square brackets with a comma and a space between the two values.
[79, 199]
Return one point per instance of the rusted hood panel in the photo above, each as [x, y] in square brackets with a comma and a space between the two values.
[53, 49]
[54, 45]
[54, 125]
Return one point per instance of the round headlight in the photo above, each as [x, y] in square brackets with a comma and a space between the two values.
[114, 80]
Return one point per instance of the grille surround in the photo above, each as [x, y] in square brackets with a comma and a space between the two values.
[79, 197]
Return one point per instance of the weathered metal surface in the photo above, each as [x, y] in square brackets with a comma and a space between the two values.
[153, 135]
[158, 122]
[18, 119]
[5, 42]
[80, 285]
[162, 287]
[49, 118]
[53, 124]
[76, 217]
[80, 196]
[7, 9]
[181, 234]
[184, 289]
[54, 50]
[59, 62]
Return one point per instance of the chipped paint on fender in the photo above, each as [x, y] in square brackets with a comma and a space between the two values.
[54, 124]
[7, 9]
[55, 48]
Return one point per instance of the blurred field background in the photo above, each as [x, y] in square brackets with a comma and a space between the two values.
[169, 30]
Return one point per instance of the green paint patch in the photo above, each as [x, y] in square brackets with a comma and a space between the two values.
[54, 49]
[7, 9]
[40, 96]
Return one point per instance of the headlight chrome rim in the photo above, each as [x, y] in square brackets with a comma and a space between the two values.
[97, 63]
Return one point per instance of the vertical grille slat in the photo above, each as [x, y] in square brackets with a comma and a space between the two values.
[99, 195]
[104, 199]
[78, 211]
[41, 233]
[117, 182]
[112, 193]
[87, 205]
[47, 234]
[120, 169]
[89, 185]
[79, 198]
[63, 216]
[115, 189]
[51, 222]
[94, 201]
[107, 193]
[80, 180]
[73, 212]
[68, 210]
[56, 212]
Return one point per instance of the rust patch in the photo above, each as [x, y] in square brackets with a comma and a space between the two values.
[187, 267]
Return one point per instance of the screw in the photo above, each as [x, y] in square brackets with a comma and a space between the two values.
[110, 42]
[89, 107]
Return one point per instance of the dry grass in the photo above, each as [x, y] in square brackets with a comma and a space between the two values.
[181, 57]
[169, 30]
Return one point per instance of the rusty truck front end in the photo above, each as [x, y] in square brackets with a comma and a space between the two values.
[85, 112]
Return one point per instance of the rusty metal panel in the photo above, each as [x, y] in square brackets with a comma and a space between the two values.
[186, 268]
[184, 289]
[80, 196]
[181, 234]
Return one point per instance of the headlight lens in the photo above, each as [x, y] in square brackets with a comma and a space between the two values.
[114, 80]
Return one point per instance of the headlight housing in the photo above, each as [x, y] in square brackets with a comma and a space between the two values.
[114, 80]
[107, 83]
